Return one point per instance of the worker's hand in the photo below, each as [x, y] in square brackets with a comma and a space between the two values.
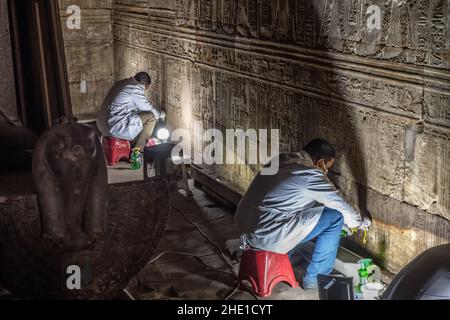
[365, 224]
[162, 115]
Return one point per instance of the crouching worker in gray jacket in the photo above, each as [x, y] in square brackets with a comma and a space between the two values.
[297, 204]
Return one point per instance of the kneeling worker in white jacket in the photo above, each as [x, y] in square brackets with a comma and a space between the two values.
[299, 203]
[126, 113]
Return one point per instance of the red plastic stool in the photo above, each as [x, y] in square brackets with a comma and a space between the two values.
[265, 269]
[115, 150]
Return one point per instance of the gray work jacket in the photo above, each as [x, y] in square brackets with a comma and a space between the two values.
[277, 212]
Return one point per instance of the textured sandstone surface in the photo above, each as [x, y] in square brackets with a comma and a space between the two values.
[89, 54]
[7, 87]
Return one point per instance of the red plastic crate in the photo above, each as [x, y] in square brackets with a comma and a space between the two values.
[116, 150]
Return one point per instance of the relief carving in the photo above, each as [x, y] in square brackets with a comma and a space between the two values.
[338, 79]
[227, 16]
[206, 14]
[247, 18]
[283, 21]
[266, 19]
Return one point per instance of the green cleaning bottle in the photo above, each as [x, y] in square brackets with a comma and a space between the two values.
[136, 159]
[363, 273]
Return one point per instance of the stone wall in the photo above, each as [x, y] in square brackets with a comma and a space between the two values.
[8, 107]
[89, 54]
[314, 69]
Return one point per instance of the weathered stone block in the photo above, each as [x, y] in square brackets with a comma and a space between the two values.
[93, 63]
[94, 29]
[8, 105]
[87, 104]
[427, 182]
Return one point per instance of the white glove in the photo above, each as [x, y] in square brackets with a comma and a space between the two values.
[162, 115]
[365, 224]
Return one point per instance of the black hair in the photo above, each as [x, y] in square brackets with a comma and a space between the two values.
[320, 149]
[143, 77]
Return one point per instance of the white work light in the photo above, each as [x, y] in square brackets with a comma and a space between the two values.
[163, 134]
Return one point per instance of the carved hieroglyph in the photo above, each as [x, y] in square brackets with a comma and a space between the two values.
[314, 68]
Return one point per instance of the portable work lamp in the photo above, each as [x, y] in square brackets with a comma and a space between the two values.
[163, 134]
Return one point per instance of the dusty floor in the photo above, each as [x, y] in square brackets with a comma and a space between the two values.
[193, 262]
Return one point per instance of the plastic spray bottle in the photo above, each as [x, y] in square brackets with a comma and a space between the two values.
[136, 159]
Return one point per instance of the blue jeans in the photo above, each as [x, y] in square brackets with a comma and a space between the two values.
[328, 234]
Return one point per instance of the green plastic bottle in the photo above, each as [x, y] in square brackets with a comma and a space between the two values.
[363, 273]
[368, 263]
[135, 158]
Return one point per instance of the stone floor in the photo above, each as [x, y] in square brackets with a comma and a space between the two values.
[192, 259]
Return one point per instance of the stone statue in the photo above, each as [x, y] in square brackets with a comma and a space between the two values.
[69, 171]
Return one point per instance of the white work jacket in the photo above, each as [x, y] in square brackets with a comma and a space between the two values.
[119, 114]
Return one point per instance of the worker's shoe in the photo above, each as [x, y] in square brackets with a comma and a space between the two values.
[308, 284]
